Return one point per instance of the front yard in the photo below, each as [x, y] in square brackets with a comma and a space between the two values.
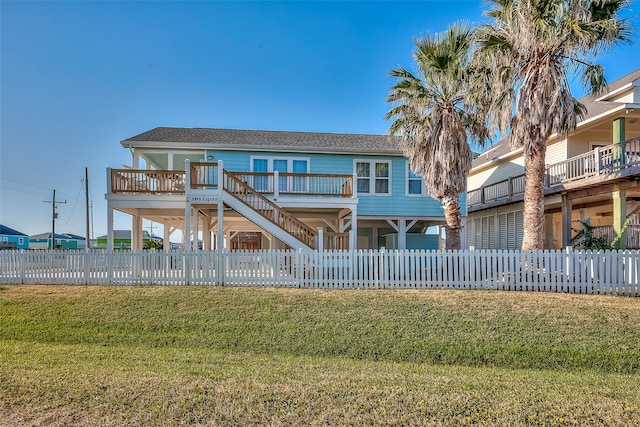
[238, 356]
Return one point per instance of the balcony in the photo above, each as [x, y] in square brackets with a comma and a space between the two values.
[204, 176]
[604, 164]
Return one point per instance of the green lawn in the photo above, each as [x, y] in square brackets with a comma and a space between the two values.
[246, 356]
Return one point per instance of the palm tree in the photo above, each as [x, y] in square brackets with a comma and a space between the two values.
[433, 117]
[531, 47]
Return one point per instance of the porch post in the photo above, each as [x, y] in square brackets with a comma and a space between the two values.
[109, 226]
[353, 241]
[402, 234]
[618, 130]
[136, 237]
[548, 230]
[567, 207]
[619, 218]
[166, 244]
[195, 224]
[187, 227]
[170, 161]
[220, 233]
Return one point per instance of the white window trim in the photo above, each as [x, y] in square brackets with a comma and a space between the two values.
[372, 179]
[270, 160]
[406, 189]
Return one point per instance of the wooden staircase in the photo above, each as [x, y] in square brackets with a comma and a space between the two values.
[266, 214]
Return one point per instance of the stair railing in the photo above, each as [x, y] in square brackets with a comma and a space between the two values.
[269, 210]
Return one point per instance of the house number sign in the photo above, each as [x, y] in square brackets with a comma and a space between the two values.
[204, 199]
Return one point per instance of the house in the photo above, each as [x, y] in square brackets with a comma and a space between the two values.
[12, 239]
[593, 175]
[253, 189]
[63, 241]
[122, 239]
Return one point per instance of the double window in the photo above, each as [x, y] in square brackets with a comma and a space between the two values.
[374, 177]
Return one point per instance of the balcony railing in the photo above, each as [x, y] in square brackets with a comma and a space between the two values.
[205, 176]
[147, 181]
[608, 234]
[604, 162]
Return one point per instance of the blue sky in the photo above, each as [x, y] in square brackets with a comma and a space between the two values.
[76, 78]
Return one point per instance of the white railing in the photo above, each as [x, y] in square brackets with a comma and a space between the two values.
[611, 272]
[608, 161]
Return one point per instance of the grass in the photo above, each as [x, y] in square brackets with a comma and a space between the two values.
[240, 356]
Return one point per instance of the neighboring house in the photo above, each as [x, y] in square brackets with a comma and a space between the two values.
[12, 239]
[274, 190]
[592, 175]
[122, 239]
[63, 241]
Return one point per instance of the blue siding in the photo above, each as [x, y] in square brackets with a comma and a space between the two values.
[15, 239]
[395, 204]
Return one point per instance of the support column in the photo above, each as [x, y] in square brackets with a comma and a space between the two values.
[220, 233]
[206, 233]
[548, 231]
[195, 225]
[109, 227]
[619, 130]
[567, 207]
[136, 233]
[186, 238]
[166, 244]
[619, 218]
[402, 234]
[353, 242]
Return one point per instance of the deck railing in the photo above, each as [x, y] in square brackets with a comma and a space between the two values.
[147, 181]
[204, 175]
[608, 234]
[602, 161]
[285, 183]
[271, 211]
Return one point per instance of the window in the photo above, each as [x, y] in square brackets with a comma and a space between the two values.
[21, 240]
[415, 184]
[373, 177]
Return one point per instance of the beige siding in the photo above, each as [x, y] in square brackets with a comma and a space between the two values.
[557, 152]
[503, 171]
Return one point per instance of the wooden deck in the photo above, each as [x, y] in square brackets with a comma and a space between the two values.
[604, 165]
[205, 176]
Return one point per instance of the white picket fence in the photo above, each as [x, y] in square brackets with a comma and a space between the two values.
[609, 272]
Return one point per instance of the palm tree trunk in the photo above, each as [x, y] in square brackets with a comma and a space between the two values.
[534, 198]
[453, 221]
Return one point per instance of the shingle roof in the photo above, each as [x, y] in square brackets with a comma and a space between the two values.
[594, 109]
[10, 231]
[270, 140]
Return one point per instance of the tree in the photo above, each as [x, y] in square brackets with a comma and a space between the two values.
[530, 49]
[433, 115]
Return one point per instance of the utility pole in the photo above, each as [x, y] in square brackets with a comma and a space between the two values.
[86, 195]
[54, 215]
[151, 227]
